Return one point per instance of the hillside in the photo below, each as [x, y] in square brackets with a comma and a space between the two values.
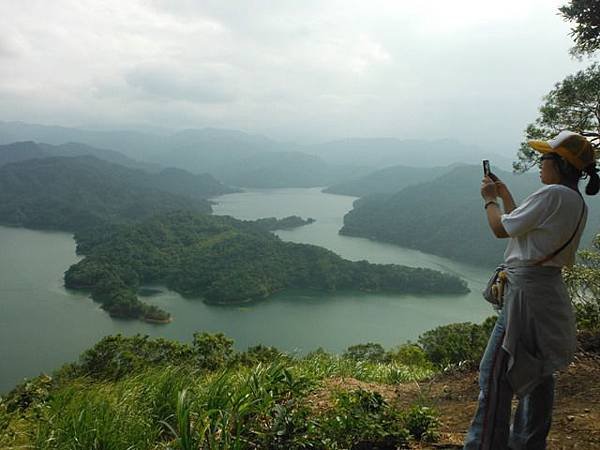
[386, 181]
[137, 392]
[224, 261]
[284, 169]
[444, 217]
[73, 193]
[22, 151]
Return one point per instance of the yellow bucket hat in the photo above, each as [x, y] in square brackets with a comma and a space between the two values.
[571, 146]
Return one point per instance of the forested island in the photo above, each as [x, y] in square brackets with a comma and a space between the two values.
[287, 223]
[224, 261]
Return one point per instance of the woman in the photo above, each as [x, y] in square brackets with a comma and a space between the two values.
[535, 332]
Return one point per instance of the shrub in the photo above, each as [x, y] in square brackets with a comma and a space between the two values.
[583, 283]
[365, 352]
[422, 423]
[212, 350]
[260, 354]
[28, 393]
[457, 343]
[409, 354]
[117, 356]
[363, 420]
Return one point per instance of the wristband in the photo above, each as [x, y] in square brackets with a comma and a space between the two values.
[491, 202]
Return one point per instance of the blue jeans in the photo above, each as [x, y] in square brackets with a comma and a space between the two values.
[491, 428]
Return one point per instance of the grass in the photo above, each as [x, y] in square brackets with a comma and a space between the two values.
[178, 407]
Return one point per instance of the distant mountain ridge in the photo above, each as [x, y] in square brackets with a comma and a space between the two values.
[220, 151]
[386, 181]
[285, 169]
[23, 150]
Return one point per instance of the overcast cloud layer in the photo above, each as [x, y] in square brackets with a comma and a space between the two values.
[294, 70]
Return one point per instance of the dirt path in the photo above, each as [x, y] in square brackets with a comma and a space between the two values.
[576, 417]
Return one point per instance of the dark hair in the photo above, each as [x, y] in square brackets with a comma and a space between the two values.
[572, 174]
[594, 183]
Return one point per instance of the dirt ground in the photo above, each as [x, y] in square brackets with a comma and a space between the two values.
[576, 417]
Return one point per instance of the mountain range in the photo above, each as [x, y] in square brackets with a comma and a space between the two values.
[244, 159]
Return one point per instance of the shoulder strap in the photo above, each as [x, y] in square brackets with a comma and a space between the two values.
[552, 255]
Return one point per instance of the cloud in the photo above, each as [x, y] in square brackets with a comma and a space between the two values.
[169, 83]
[315, 69]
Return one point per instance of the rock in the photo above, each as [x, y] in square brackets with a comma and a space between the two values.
[570, 419]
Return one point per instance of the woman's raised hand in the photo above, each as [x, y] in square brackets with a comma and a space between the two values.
[489, 189]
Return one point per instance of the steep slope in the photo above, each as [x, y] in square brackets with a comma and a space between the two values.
[73, 193]
[388, 180]
[444, 217]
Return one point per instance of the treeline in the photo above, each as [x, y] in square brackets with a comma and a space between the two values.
[225, 261]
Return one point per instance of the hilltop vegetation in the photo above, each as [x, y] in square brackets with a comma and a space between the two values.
[137, 392]
[224, 260]
[443, 217]
[72, 193]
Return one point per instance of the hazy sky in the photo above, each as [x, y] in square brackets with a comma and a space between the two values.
[303, 70]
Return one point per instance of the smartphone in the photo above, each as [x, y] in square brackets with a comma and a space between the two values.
[487, 172]
[486, 167]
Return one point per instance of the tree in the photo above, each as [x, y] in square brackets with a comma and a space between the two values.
[586, 31]
[573, 104]
[583, 282]
[212, 350]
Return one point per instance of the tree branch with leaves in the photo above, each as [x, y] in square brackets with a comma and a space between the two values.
[586, 31]
[573, 104]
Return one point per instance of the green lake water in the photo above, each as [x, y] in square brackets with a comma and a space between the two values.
[42, 325]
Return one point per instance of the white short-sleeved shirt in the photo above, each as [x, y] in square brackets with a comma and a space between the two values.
[544, 223]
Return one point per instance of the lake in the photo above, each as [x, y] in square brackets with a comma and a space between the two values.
[42, 325]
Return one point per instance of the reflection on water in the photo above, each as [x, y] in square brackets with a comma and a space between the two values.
[43, 326]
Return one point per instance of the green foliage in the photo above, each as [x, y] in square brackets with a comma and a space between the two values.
[82, 192]
[366, 352]
[457, 343]
[136, 392]
[212, 351]
[323, 365]
[260, 354]
[583, 282]
[410, 355]
[225, 261]
[573, 104]
[422, 423]
[447, 221]
[586, 31]
[28, 393]
[363, 420]
[115, 357]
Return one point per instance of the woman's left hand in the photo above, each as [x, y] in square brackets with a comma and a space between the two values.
[489, 190]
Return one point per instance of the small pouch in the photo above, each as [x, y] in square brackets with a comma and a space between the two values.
[494, 290]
